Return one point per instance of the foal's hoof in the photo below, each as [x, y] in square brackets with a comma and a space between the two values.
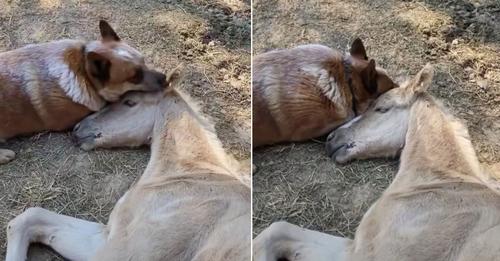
[6, 156]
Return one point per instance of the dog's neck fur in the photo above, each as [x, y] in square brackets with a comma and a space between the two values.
[347, 64]
[68, 65]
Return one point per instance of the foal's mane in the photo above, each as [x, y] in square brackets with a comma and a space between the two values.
[206, 122]
[462, 138]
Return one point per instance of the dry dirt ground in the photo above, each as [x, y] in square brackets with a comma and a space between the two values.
[211, 37]
[298, 182]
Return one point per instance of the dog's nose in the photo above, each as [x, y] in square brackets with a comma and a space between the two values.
[162, 80]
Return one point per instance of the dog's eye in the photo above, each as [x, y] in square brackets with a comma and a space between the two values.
[138, 76]
[382, 109]
[129, 103]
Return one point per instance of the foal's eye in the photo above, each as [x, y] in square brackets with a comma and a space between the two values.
[382, 109]
[129, 103]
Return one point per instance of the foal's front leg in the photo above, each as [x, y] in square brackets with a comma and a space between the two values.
[73, 238]
[284, 241]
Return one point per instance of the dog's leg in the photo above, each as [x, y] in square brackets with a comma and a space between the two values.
[283, 241]
[73, 238]
[6, 156]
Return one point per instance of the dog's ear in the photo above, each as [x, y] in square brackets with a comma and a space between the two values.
[107, 32]
[369, 77]
[98, 66]
[358, 49]
[174, 77]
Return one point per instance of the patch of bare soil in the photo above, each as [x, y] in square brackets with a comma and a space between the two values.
[212, 38]
[298, 182]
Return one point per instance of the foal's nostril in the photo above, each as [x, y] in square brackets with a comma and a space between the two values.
[77, 126]
[330, 136]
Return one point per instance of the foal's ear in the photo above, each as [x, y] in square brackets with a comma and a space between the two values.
[358, 49]
[423, 80]
[107, 32]
[174, 77]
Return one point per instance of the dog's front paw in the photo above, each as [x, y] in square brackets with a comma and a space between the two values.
[6, 156]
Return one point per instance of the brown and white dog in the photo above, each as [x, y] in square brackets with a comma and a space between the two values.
[52, 86]
[305, 92]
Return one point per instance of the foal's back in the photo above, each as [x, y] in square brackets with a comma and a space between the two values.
[452, 220]
[189, 204]
[196, 217]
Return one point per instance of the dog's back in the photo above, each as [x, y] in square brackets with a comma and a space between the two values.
[52, 86]
[288, 101]
[304, 92]
[34, 85]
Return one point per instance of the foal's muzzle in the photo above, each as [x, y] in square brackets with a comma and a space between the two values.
[84, 135]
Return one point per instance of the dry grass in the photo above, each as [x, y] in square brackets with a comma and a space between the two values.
[211, 37]
[298, 182]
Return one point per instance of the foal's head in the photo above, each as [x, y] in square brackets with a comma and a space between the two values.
[129, 122]
[381, 130]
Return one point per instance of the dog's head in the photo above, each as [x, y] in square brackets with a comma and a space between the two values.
[114, 67]
[369, 80]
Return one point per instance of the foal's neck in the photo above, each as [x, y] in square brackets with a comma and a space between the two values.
[437, 146]
[185, 142]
